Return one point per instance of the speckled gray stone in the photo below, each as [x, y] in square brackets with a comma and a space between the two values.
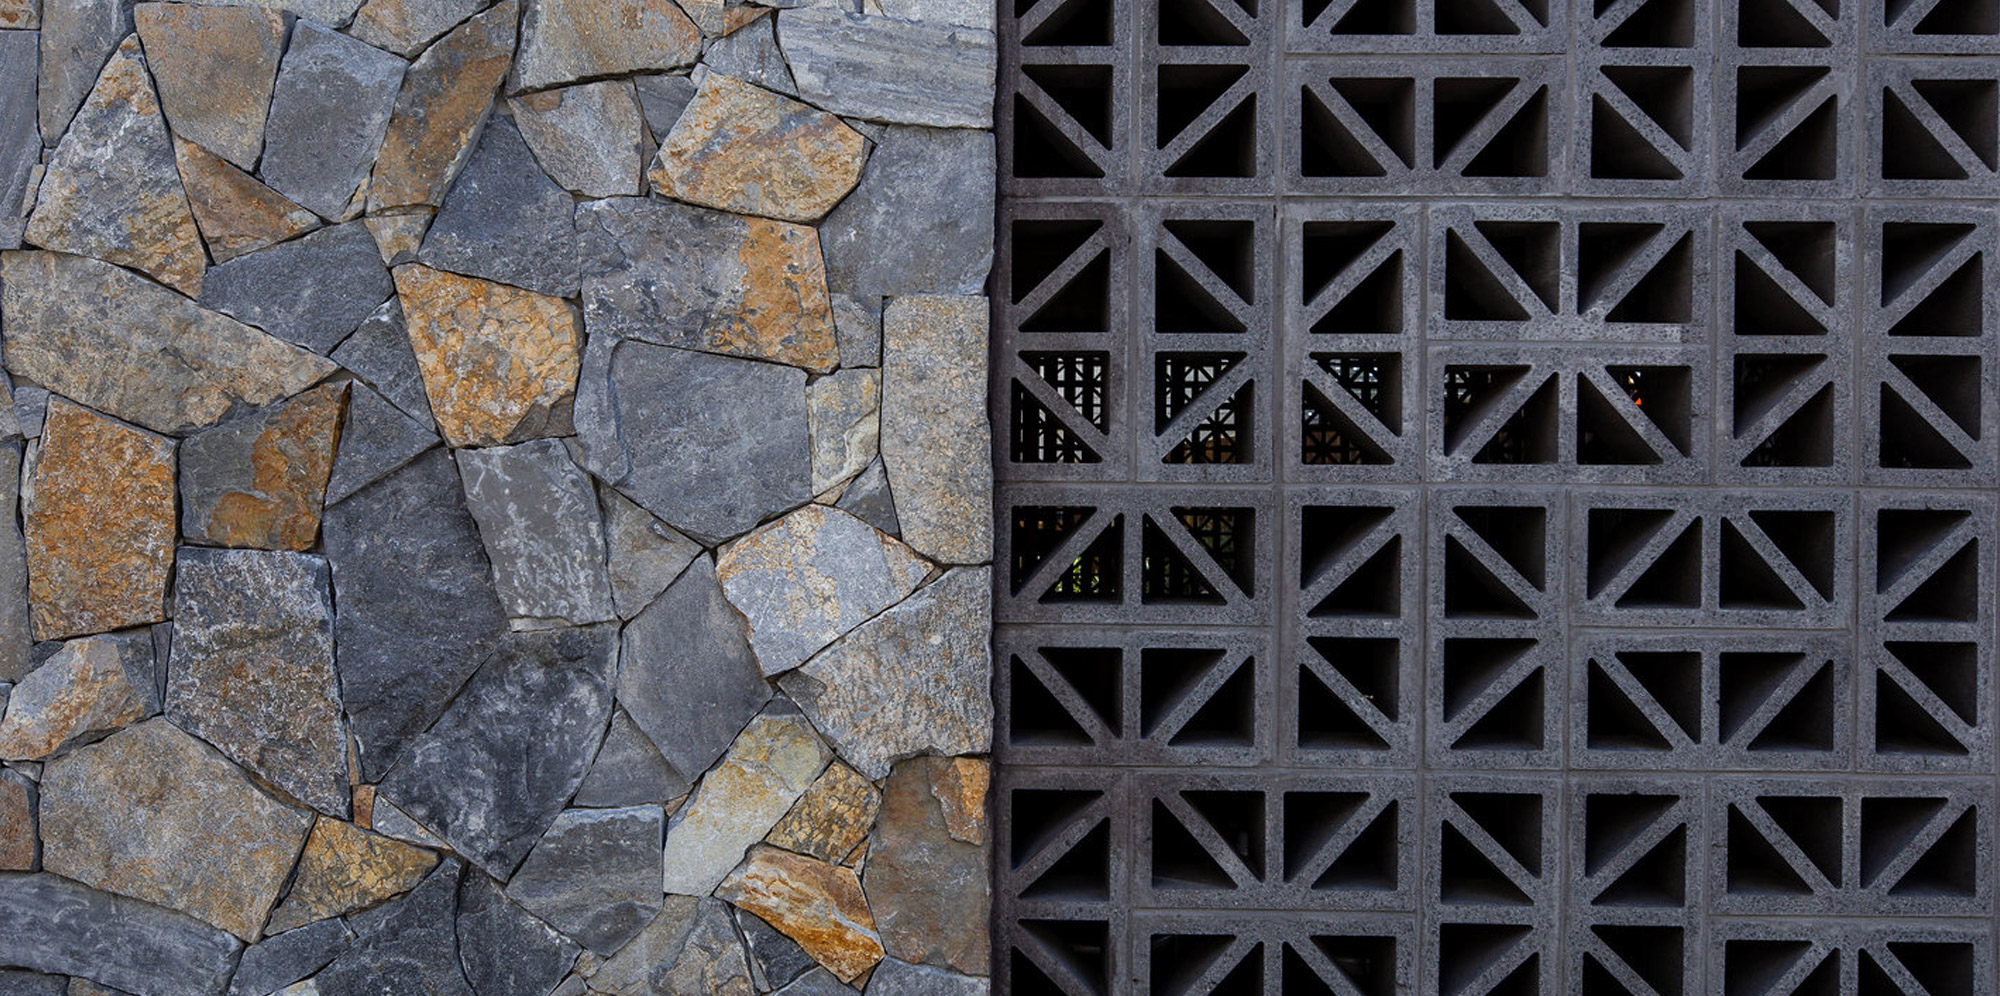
[311, 291]
[276, 962]
[803, 580]
[646, 554]
[563, 41]
[408, 946]
[687, 676]
[775, 960]
[900, 978]
[538, 517]
[406, 26]
[818, 982]
[661, 100]
[589, 139]
[857, 324]
[20, 135]
[690, 949]
[886, 69]
[77, 36]
[505, 949]
[595, 875]
[751, 53]
[629, 770]
[16, 638]
[921, 221]
[329, 110]
[379, 353]
[375, 439]
[21, 982]
[506, 221]
[868, 498]
[57, 926]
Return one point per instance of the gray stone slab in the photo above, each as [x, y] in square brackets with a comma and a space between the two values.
[375, 440]
[869, 499]
[20, 133]
[379, 353]
[886, 69]
[505, 220]
[750, 53]
[563, 41]
[21, 982]
[921, 222]
[77, 36]
[505, 949]
[16, 637]
[406, 26]
[276, 962]
[590, 139]
[538, 516]
[311, 291]
[818, 982]
[629, 770]
[646, 554]
[408, 946]
[595, 875]
[329, 111]
[661, 101]
[936, 442]
[857, 322]
[775, 960]
[900, 978]
[57, 926]
[688, 677]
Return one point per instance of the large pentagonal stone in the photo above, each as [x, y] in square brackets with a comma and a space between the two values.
[739, 147]
[214, 67]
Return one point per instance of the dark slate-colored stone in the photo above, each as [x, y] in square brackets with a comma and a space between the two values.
[818, 982]
[21, 982]
[495, 770]
[329, 110]
[77, 37]
[276, 962]
[870, 500]
[751, 53]
[51, 924]
[688, 676]
[921, 222]
[376, 439]
[416, 609]
[775, 960]
[537, 514]
[505, 949]
[311, 291]
[629, 770]
[505, 220]
[595, 874]
[408, 946]
[900, 978]
[661, 101]
[379, 352]
[20, 136]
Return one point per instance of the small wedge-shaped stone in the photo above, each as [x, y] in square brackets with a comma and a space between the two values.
[398, 236]
[93, 332]
[103, 824]
[595, 875]
[844, 410]
[868, 497]
[506, 950]
[77, 36]
[538, 517]
[590, 138]
[329, 111]
[936, 443]
[811, 576]
[687, 675]
[563, 41]
[376, 438]
[505, 220]
[258, 482]
[629, 770]
[235, 213]
[112, 191]
[379, 352]
[752, 55]
[445, 95]
[20, 136]
[921, 222]
[55, 925]
[406, 26]
[87, 687]
[276, 962]
[99, 525]
[927, 884]
[344, 869]
[311, 291]
[741, 148]
[646, 554]
[771, 764]
[815, 903]
[251, 669]
[912, 680]
[833, 817]
[408, 946]
[885, 69]
[214, 67]
[685, 276]
[499, 363]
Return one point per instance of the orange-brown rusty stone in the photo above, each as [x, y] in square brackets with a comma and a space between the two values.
[235, 213]
[265, 476]
[444, 97]
[739, 147]
[100, 525]
[499, 363]
[815, 903]
[344, 869]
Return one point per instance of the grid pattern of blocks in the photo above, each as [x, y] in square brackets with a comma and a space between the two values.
[1497, 497]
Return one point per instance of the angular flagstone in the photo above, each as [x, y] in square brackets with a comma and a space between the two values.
[505, 220]
[329, 111]
[563, 41]
[277, 962]
[775, 960]
[77, 36]
[406, 26]
[20, 135]
[751, 54]
[722, 18]
[506, 950]
[399, 236]
[645, 554]
[214, 67]
[589, 138]
[375, 440]
[330, 12]
[886, 69]
[259, 481]
[868, 498]
[936, 444]
[18, 845]
[857, 324]
[235, 213]
[446, 94]
[926, 883]
[771, 764]
[832, 818]
[661, 100]
[741, 148]
[99, 522]
[686, 673]
[89, 686]
[689, 948]
[595, 875]
[843, 410]
[900, 978]
[538, 517]
[58, 926]
[499, 363]
[311, 291]
[409, 946]
[811, 576]
[817, 904]
[921, 221]
[344, 869]
[379, 353]
[629, 770]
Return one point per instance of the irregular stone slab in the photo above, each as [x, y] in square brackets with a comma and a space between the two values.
[88, 686]
[77, 36]
[445, 95]
[399, 236]
[102, 825]
[277, 962]
[329, 111]
[817, 904]
[645, 554]
[537, 515]
[20, 134]
[20, 982]
[661, 100]
[251, 670]
[590, 139]
[767, 769]
[344, 869]
[843, 412]
[775, 960]
[741, 148]
[857, 324]
[214, 67]
[235, 213]
[912, 680]
[968, 13]
[329, 12]
[61, 927]
[721, 18]
[869, 499]
[311, 291]
[818, 982]
[687, 675]
[99, 525]
[900, 978]
[499, 363]
[595, 875]
[959, 786]
[936, 443]
[506, 951]
[927, 885]
[832, 818]
[629, 770]
[811, 576]
[90, 331]
[111, 190]
[683, 276]
[689, 949]
[505, 220]
[409, 946]
[392, 822]
[417, 608]
[494, 771]
[563, 41]
[406, 26]
[921, 221]
[641, 967]
[259, 481]
[751, 55]
[647, 423]
[20, 15]
[886, 69]
[379, 352]
[375, 440]
[18, 850]
[17, 636]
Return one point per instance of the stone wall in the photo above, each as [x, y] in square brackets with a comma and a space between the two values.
[503, 497]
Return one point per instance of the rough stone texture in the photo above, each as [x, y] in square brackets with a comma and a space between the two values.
[344, 869]
[595, 875]
[818, 982]
[18, 850]
[811, 576]
[99, 525]
[505, 220]
[646, 423]
[93, 332]
[690, 949]
[629, 770]
[911, 680]
[590, 139]
[969, 13]
[721, 18]
[646, 554]
[409, 946]
[399, 236]
[259, 481]
[752, 55]
[311, 291]
[886, 69]
[960, 786]
[235, 213]
[329, 110]
[375, 440]
[406, 26]
[936, 444]
[767, 769]
[379, 352]
[739, 147]
[684, 276]
[505, 949]
[417, 607]
[58, 926]
[868, 497]
[77, 36]
[20, 15]
[563, 41]
[775, 960]
[499, 363]
[329, 12]
[279, 961]
[111, 190]
[687, 675]
[900, 978]
[661, 100]
[219, 852]
[392, 822]
[495, 770]
[921, 221]
[17, 635]
[20, 135]
[832, 818]
[538, 517]
[857, 325]
[817, 904]
[214, 67]
[927, 885]
[843, 411]
[445, 96]
[89, 686]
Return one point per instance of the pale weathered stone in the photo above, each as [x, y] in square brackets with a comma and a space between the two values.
[392, 822]
[843, 409]
[214, 67]
[311, 291]
[18, 850]
[506, 950]
[900, 978]
[629, 770]
[661, 100]
[399, 236]
[739, 147]
[590, 139]
[928, 886]
[445, 95]
[406, 26]
[767, 769]
[936, 443]
[89, 686]
[751, 54]
[329, 111]
[77, 36]
[811, 576]
[912, 680]
[20, 135]
[112, 191]
[887, 69]
[687, 675]
[595, 875]
[277, 962]
[817, 904]
[505, 220]
[99, 524]
[563, 41]
[499, 363]
[103, 824]
[408, 946]
[857, 325]
[375, 439]
[960, 785]
[690, 949]
[721, 18]
[93, 332]
[17, 635]
[379, 353]
[685, 276]
[868, 498]
[344, 869]
[259, 481]
[537, 515]
[645, 554]
[921, 222]
[833, 816]
[20, 15]
[55, 925]
[235, 213]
